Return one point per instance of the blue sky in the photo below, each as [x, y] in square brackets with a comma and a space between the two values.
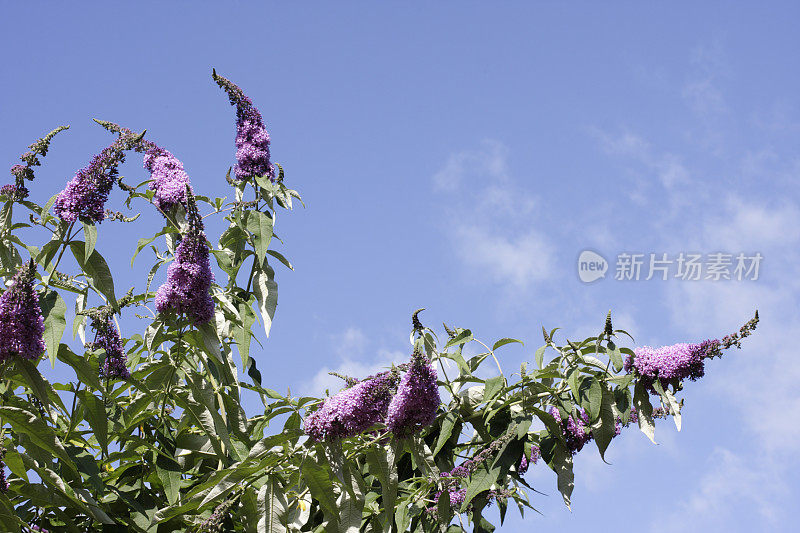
[459, 157]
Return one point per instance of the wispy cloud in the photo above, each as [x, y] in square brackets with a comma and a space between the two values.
[356, 359]
[491, 221]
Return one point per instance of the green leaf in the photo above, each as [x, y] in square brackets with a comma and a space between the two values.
[54, 312]
[562, 465]
[86, 372]
[96, 268]
[493, 386]
[641, 400]
[260, 227]
[540, 357]
[616, 358]
[90, 234]
[503, 342]
[383, 464]
[38, 431]
[279, 256]
[272, 507]
[95, 411]
[266, 293]
[443, 510]
[448, 423]
[462, 338]
[604, 429]
[319, 483]
[591, 397]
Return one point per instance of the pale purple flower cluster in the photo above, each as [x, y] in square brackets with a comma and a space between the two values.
[108, 339]
[21, 322]
[14, 192]
[352, 410]
[417, 399]
[574, 431]
[39, 529]
[85, 195]
[252, 138]
[669, 363]
[526, 460]
[169, 178]
[457, 497]
[189, 276]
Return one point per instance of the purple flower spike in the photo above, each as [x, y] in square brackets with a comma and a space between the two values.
[670, 363]
[115, 365]
[189, 276]
[169, 179]
[352, 410]
[85, 195]
[21, 322]
[574, 431]
[414, 406]
[252, 138]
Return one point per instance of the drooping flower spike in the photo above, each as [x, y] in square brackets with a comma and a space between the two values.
[252, 138]
[21, 322]
[352, 410]
[85, 195]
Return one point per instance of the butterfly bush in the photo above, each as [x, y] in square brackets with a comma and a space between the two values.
[417, 399]
[170, 181]
[86, 194]
[189, 276]
[108, 339]
[252, 138]
[352, 410]
[573, 429]
[375, 456]
[21, 322]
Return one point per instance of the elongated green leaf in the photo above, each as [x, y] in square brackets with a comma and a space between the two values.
[448, 423]
[260, 227]
[38, 431]
[96, 268]
[95, 412]
[272, 508]
[503, 342]
[562, 465]
[90, 234]
[603, 429]
[382, 462]
[266, 293]
[641, 400]
[462, 338]
[540, 357]
[321, 487]
[54, 311]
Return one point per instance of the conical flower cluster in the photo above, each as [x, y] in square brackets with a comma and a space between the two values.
[352, 410]
[405, 407]
[85, 195]
[414, 406]
[573, 429]
[670, 363]
[252, 138]
[189, 276]
[21, 322]
[170, 181]
[115, 364]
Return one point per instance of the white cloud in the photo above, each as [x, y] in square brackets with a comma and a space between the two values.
[491, 223]
[488, 160]
[666, 167]
[351, 342]
[730, 482]
[357, 368]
